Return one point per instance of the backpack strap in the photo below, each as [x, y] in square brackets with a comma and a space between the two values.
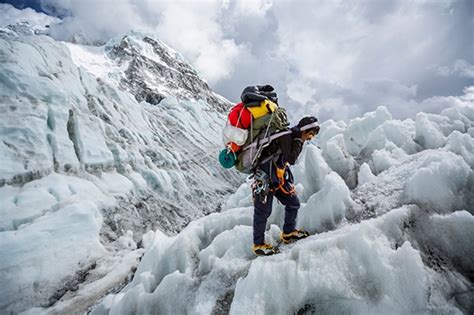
[267, 140]
[271, 157]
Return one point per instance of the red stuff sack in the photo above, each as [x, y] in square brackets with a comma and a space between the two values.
[240, 116]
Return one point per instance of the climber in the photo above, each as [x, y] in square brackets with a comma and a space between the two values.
[274, 178]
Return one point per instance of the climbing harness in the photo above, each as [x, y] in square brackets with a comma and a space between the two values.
[261, 185]
[280, 173]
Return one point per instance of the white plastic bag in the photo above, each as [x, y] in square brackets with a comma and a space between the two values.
[234, 134]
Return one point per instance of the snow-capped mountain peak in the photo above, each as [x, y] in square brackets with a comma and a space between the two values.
[147, 68]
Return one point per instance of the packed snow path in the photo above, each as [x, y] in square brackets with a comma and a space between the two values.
[399, 242]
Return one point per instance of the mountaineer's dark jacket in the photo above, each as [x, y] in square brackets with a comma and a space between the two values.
[290, 146]
[287, 148]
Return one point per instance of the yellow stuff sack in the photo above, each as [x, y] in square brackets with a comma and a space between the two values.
[265, 107]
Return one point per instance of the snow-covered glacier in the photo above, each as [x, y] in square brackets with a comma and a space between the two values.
[97, 146]
[390, 207]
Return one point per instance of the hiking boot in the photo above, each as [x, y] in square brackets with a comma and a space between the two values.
[264, 250]
[293, 236]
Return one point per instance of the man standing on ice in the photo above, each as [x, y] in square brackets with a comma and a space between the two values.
[273, 177]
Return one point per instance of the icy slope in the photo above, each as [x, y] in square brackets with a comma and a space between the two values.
[398, 241]
[84, 157]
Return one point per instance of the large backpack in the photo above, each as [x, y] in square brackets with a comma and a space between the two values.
[250, 127]
[264, 131]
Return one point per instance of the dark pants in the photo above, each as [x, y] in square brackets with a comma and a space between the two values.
[263, 210]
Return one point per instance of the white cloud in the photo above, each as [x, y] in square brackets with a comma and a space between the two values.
[318, 45]
[192, 28]
[335, 58]
[97, 20]
[10, 15]
[359, 55]
[460, 68]
[300, 91]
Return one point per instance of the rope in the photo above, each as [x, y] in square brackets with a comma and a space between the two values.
[269, 139]
[240, 115]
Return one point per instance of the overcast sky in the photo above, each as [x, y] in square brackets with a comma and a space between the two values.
[332, 59]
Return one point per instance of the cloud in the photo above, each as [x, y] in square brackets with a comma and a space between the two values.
[460, 68]
[10, 15]
[192, 28]
[359, 55]
[96, 20]
[340, 59]
[300, 91]
[336, 59]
